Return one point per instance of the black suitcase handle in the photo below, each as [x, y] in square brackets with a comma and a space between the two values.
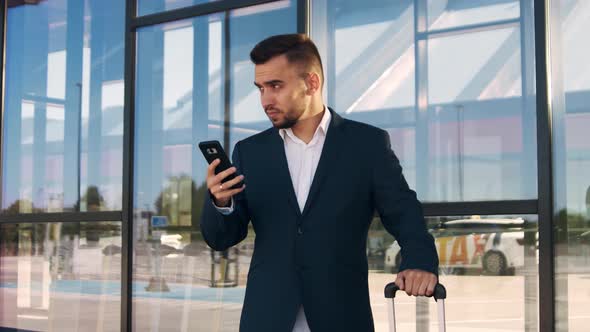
[440, 292]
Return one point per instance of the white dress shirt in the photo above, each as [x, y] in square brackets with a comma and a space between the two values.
[302, 160]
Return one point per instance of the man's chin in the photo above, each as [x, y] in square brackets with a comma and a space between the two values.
[282, 124]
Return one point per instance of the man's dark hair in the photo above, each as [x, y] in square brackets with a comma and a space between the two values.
[298, 48]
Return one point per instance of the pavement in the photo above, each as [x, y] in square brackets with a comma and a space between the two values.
[34, 295]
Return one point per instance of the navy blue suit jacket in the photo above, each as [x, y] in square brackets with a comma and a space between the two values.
[317, 258]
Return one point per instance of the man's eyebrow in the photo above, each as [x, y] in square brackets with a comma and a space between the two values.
[271, 82]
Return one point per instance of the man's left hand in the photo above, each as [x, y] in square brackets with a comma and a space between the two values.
[416, 282]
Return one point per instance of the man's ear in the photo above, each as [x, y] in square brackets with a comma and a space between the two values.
[313, 82]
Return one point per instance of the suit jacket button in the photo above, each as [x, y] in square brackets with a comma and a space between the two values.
[299, 230]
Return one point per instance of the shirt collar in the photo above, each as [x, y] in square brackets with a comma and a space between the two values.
[322, 127]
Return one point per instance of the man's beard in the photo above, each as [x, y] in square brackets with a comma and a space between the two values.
[287, 121]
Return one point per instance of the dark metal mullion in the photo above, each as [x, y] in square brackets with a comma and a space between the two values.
[480, 208]
[545, 169]
[303, 17]
[62, 217]
[3, 11]
[468, 29]
[227, 79]
[192, 11]
[128, 171]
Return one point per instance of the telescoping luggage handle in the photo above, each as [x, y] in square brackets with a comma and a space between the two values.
[440, 293]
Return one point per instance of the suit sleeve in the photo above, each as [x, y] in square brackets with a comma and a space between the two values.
[400, 211]
[223, 231]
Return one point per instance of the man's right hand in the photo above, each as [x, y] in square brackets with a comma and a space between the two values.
[221, 191]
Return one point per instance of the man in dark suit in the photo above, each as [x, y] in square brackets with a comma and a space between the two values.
[314, 181]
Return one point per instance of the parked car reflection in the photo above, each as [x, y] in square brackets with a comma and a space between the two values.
[493, 245]
[169, 244]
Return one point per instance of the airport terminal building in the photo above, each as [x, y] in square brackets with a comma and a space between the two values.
[487, 103]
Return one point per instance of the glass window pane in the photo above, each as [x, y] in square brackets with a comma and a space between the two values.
[444, 14]
[63, 107]
[454, 111]
[180, 92]
[369, 62]
[145, 7]
[60, 276]
[488, 264]
[571, 155]
[179, 282]
[368, 56]
[477, 119]
[471, 64]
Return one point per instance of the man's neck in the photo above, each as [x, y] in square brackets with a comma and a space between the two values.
[306, 126]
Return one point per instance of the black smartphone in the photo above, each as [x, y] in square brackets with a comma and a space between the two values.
[213, 150]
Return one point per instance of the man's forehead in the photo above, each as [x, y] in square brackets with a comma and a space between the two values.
[265, 71]
[273, 69]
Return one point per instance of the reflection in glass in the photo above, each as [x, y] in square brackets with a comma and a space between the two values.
[60, 276]
[461, 117]
[368, 53]
[571, 120]
[479, 73]
[247, 116]
[63, 111]
[480, 256]
[460, 110]
[444, 14]
[368, 56]
[180, 94]
[145, 7]
[476, 118]
[179, 283]
[489, 246]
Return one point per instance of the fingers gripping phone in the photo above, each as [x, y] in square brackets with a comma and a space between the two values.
[213, 150]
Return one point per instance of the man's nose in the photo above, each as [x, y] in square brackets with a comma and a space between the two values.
[267, 101]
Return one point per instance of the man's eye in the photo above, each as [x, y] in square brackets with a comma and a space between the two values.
[276, 86]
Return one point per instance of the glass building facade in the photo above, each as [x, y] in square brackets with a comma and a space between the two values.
[104, 102]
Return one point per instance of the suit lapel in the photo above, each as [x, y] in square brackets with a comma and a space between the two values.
[283, 177]
[328, 158]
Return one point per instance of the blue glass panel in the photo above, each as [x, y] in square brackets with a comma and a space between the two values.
[63, 111]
